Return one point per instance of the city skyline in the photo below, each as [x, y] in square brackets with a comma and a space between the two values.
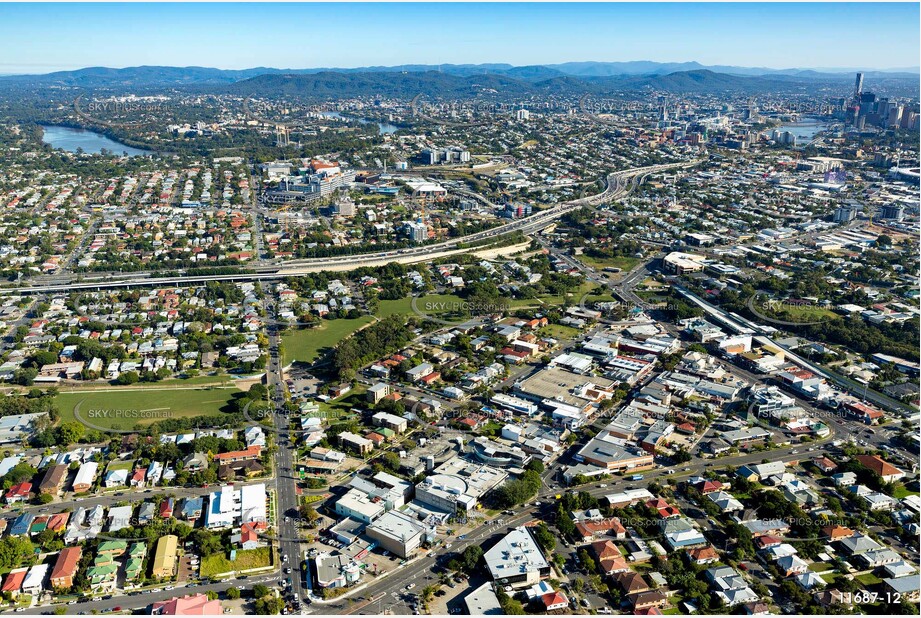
[798, 35]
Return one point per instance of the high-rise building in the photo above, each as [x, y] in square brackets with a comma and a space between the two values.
[845, 214]
[858, 85]
[894, 212]
[522, 115]
[895, 116]
[417, 231]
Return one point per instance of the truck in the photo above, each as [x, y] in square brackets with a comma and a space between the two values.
[636, 477]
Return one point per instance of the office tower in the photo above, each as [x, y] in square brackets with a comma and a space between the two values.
[858, 85]
[845, 214]
[892, 212]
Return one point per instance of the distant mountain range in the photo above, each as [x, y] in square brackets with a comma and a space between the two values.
[457, 80]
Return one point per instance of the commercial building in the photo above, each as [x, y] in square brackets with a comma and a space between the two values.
[336, 571]
[360, 506]
[399, 533]
[517, 560]
[683, 263]
[457, 485]
[483, 602]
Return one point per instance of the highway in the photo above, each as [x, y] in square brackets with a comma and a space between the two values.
[616, 185]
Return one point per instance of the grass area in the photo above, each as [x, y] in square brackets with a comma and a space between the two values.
[818, 567]
[572, 297]
[306, 344]
[868, 579]
[126, 407]
[340, 407]
[901, 491]
[791, 313]
[558, 331]
[430, 304]
[120, 464]
[245, 559]
[623, 263]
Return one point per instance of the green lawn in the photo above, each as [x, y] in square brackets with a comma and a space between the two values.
[818, 567]
[337, 408]
[558, 331]
[868, 579]
[305, 345]
[430, 304]
[623, 263]
[125, 408]
[245, 559]
[901, 491]
[791, 313]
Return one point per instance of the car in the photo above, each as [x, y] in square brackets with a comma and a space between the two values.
[20, 609]
[72, 602]
[117, 608]
[448, 546]
[284, 558]
[410, 586]
[602, 485]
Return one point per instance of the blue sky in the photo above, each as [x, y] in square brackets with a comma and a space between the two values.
[39, 38]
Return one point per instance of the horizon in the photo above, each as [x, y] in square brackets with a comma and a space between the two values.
[842, 69]
[237, 36]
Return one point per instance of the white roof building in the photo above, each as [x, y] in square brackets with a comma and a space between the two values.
[517, 560]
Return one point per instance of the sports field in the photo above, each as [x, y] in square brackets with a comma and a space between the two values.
[125, 407]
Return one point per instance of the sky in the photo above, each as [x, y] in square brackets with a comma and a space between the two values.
[40, 38]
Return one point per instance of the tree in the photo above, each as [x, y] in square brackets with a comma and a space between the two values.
[260, 590]
[129, 377]
[544, 537]
[391, 461]
[233, 593]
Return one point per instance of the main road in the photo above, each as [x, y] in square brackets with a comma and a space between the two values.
[616, 185]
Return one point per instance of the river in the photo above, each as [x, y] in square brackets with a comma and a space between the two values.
[805, 129]
[70, 140]
[384, 127]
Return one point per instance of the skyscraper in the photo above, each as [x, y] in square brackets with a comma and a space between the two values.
[858, 85]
